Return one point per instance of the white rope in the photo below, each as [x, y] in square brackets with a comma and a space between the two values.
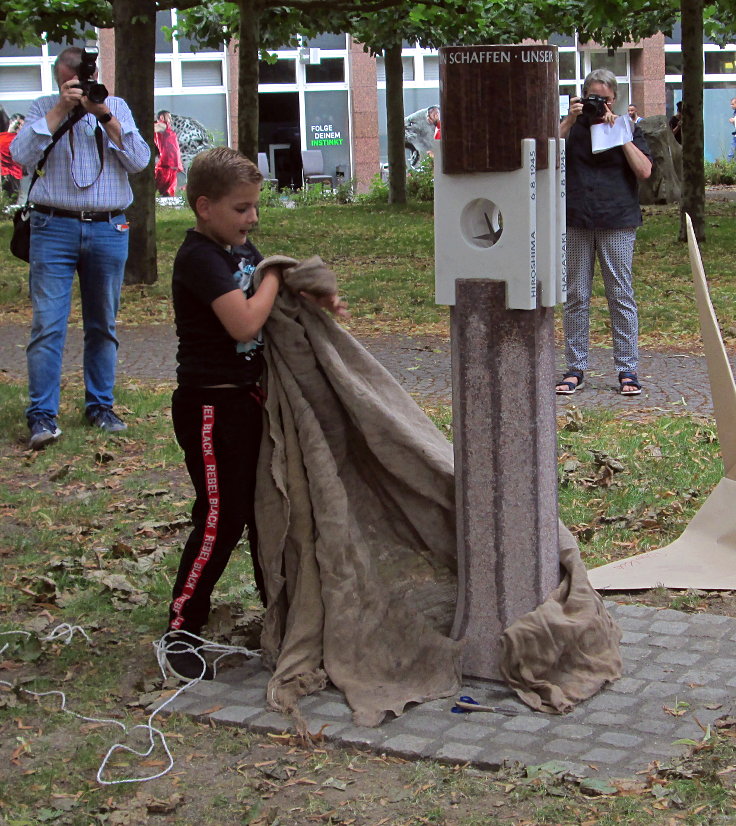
[162, 647]
[65, 632]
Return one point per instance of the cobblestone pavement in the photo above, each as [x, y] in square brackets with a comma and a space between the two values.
[672, 381]
[673, 662]
[679, 676]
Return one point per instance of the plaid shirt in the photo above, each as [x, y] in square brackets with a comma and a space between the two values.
[70, 180]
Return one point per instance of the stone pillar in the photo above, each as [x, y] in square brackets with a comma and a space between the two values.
[363, 116]
[505, 466]
[647, 72]
[502, 358]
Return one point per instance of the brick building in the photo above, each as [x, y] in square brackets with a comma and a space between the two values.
[330, 94]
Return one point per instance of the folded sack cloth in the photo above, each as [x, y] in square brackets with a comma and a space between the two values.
[567, 649]
[311, 275]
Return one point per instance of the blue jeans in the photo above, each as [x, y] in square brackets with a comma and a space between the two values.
[97, 251]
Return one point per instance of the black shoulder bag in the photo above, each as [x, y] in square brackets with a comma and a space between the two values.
[20, 242]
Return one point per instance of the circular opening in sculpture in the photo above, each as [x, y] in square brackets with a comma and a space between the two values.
[481, 223]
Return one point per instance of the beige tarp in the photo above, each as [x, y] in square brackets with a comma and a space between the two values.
[356, 521]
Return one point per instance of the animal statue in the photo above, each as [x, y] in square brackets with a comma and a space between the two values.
[193, 137]
[665, 184]
[418, 136]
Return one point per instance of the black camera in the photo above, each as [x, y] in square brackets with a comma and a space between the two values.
[95, 92]
[594, 106]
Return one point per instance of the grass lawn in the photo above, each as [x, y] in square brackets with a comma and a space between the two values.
[92, 528]
[384, 257]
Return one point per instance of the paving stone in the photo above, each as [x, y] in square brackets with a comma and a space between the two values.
[653, 726]
[612, 702]
[631, 637]
[408, 745]
[678, 658]
[603, 755]
[723, 665]
[209, 688]
[235, 714]
[627, 685]
[465, 733]
[458, 752]
[570, 731]
[567, 748]
[330, 709]
[633, 610]
[665, 641]
[633, 624]
[669, 615]
[634, 653]
[620, 739]
[271, 721]
[662, 689]
[676, 629]
[527, 723]
[515, 738]
[607, 718]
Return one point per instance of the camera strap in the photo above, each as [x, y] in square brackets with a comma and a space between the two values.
[100, 152]
[55, 138]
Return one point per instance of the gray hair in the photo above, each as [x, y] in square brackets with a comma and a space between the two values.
[601, 76]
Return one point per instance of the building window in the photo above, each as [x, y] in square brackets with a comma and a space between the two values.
[162, 76]
[567, 64]
[201, 73]
[673, 63]
[20, 79]
[328, 70]
[407, 63]
[282, 71]
[431, 67]
[720, 63]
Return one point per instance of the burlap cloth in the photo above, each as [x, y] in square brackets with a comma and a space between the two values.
[355, 509]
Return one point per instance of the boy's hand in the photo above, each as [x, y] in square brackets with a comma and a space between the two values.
[332, 303]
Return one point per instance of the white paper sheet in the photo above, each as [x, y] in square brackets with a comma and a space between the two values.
[605, 136]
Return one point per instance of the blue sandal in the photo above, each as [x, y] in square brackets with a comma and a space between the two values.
[627, 379]
[571, 387]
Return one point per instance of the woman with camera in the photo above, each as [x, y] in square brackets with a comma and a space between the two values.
[602, 216]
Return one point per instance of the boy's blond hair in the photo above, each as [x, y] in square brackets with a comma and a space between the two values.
[215, 172]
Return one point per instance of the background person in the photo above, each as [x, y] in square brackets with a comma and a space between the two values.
[10, 171]
[77, 224]
[602, 216]
[732, 121]
[433, 119]
[634, 114]
[676, 123]
[168, 163]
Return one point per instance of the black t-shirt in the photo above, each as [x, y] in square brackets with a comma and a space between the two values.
[207, 354]
[602, 189]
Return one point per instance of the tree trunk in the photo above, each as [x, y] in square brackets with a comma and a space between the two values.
[248, 54]
[135, 47]
[395, 125]
[693, 172]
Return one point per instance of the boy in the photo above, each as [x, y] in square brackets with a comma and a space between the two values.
[216, 407]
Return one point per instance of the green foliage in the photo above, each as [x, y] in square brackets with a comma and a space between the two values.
[720, 171]
[420, 182]
[377, 194]
[31, 22]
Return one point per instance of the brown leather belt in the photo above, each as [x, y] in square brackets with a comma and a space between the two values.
[84, 215]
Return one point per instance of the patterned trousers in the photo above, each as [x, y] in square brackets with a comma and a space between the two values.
[614, 249]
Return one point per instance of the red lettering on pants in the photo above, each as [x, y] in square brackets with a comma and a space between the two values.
[211, 522]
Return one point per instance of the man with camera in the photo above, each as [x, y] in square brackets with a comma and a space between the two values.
[77, 224]
[603, 214]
